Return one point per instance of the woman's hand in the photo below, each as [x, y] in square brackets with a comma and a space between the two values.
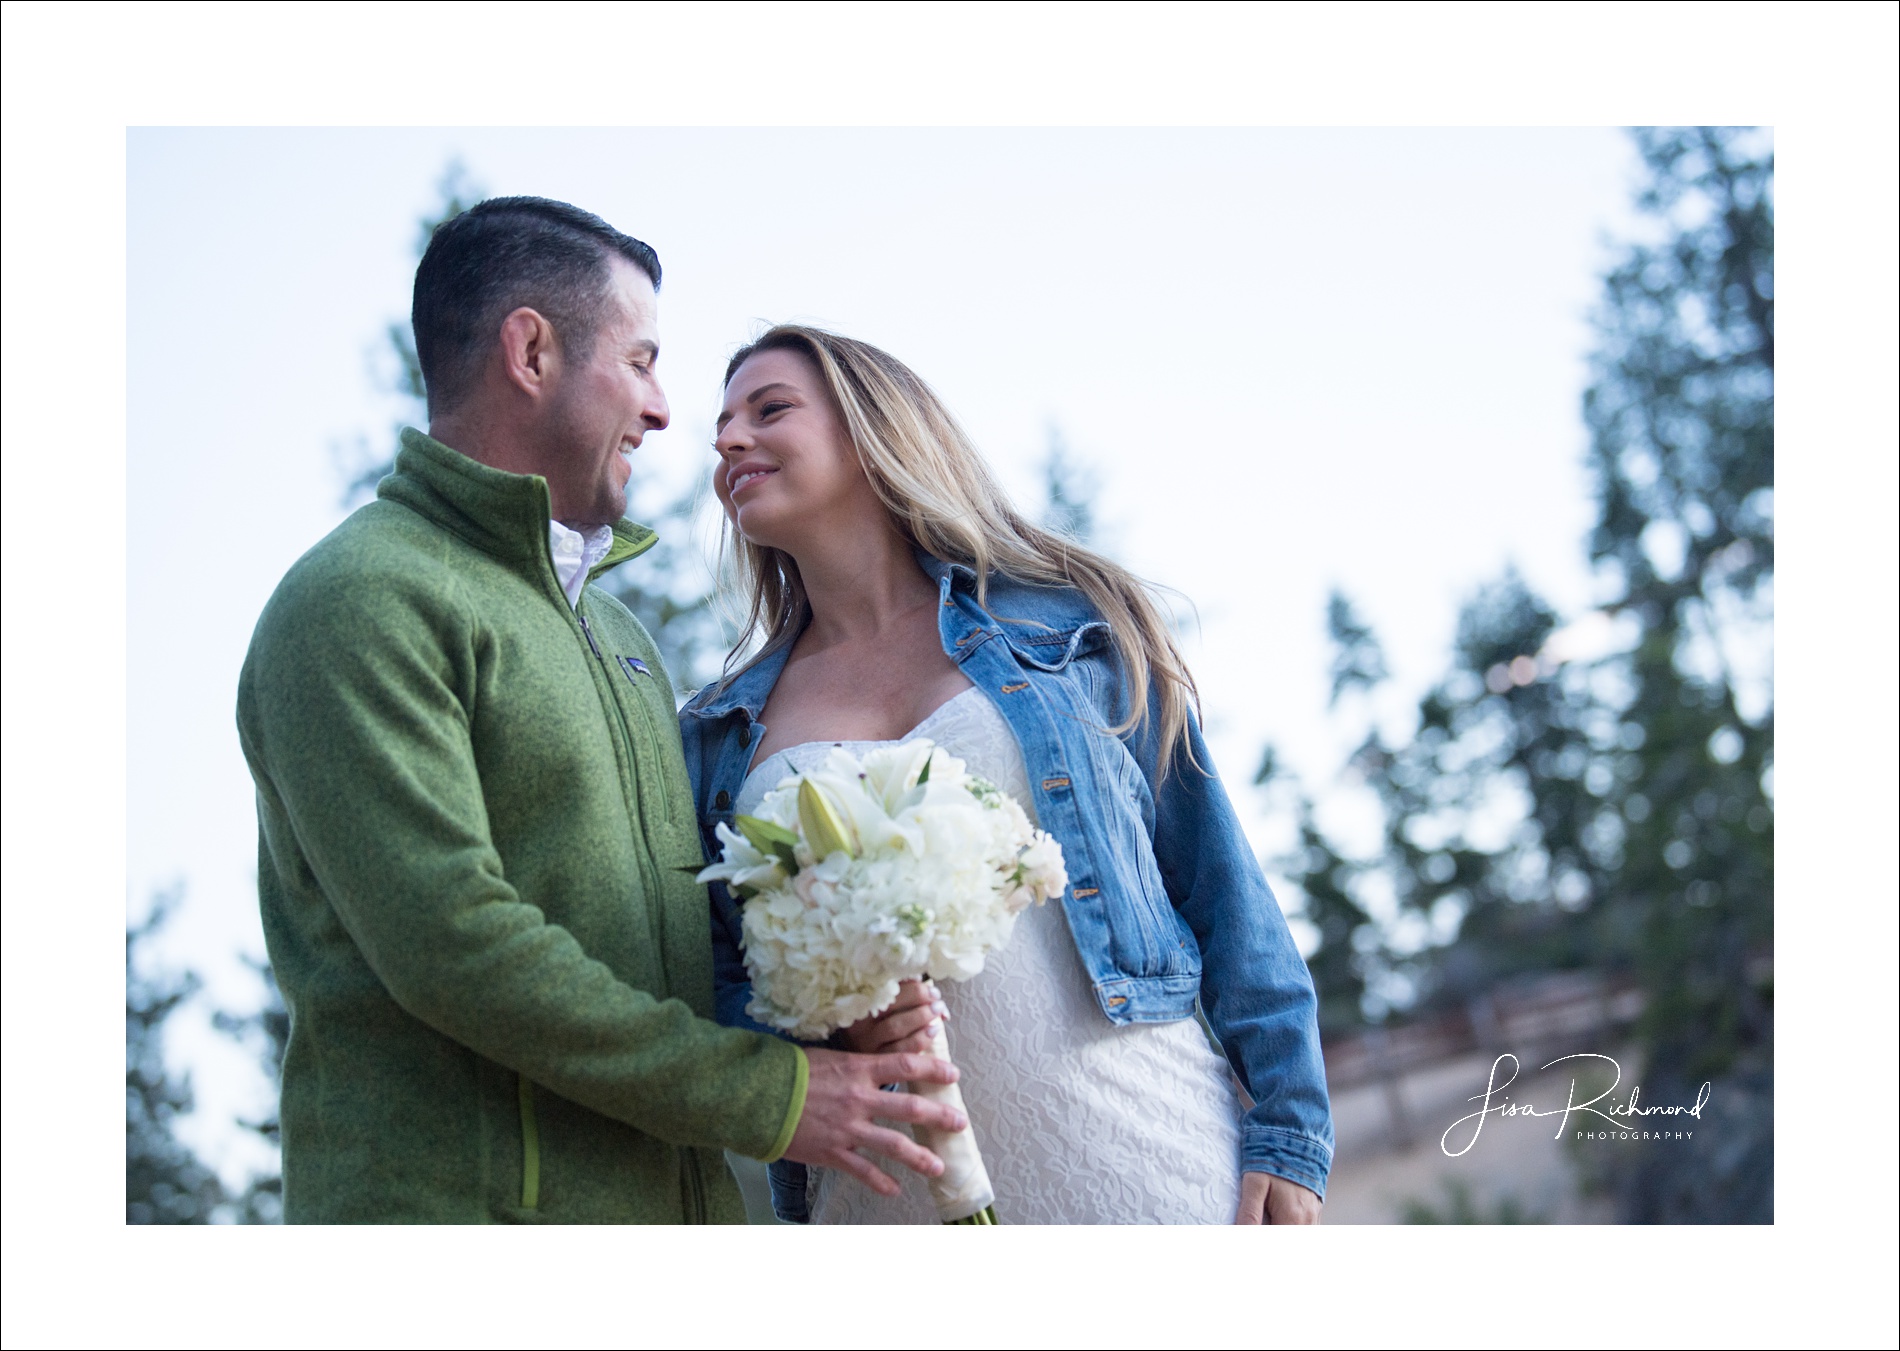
[904, 1026]
[1266, 1199]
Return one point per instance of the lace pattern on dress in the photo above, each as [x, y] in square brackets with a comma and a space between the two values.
[1080, 1121]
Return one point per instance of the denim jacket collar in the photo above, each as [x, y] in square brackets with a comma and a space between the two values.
[745, 691]
[1045, 626]
[1036, 616]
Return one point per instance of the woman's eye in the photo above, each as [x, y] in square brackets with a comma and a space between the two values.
[776, 406]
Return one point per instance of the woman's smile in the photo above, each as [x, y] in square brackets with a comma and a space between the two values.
[740, 478]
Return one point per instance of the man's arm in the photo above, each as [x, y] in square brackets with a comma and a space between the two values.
[354, 715]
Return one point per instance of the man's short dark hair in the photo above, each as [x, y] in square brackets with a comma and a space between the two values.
[498, 256]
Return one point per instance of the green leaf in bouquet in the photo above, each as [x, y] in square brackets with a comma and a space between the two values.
[924, 777]
[770, 838]
[762, 834]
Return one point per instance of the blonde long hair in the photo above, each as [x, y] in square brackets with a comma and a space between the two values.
[943, 500]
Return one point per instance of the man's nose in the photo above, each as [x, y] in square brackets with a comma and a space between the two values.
[656, 414]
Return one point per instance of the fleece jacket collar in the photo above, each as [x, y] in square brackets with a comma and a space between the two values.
[502, 514]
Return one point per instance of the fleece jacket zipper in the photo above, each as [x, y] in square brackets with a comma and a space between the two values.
[649, 881]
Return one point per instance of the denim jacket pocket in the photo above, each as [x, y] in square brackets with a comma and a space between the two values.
[1148, 937]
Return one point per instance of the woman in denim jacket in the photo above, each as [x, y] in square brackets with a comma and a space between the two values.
[899, 595]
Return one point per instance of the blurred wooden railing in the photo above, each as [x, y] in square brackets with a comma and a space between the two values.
[1532, 1017]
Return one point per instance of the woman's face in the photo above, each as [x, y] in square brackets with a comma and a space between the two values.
[787, 472]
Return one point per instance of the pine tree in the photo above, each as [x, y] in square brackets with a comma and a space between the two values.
[165, 1181]
[1069, 492]
[1682, 420]
[267, 1031]
[1637, 785]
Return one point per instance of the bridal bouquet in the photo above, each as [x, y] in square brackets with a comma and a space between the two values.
[864, 873]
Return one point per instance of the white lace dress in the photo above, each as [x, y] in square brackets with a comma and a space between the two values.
[1079, 1121]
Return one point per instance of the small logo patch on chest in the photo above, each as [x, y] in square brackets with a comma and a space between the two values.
[633, 666]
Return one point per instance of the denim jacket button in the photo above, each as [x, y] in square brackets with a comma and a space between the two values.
[721, 800]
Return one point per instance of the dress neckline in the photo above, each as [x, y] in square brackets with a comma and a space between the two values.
[928, 718]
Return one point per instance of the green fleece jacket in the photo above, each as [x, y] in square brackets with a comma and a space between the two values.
[474, 818]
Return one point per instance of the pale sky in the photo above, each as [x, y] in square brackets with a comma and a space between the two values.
[1293, 359]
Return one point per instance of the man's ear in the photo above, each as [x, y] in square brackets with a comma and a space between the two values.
[529, 353]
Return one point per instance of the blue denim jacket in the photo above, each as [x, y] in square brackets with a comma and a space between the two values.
[1166, 901]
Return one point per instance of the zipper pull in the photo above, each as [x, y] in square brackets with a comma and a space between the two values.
[590, 637]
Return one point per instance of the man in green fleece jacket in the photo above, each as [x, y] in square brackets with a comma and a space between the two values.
[475, 822]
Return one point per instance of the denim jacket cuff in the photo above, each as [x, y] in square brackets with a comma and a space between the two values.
[1288, 1154]
[791, 1191]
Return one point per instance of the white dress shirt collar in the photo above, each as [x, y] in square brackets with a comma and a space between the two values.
[575, 555]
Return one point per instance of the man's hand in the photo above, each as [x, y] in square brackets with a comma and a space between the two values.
[1266, 1199]
[843, 1102]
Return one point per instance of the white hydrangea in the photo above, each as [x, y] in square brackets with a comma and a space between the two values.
[924, 872]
